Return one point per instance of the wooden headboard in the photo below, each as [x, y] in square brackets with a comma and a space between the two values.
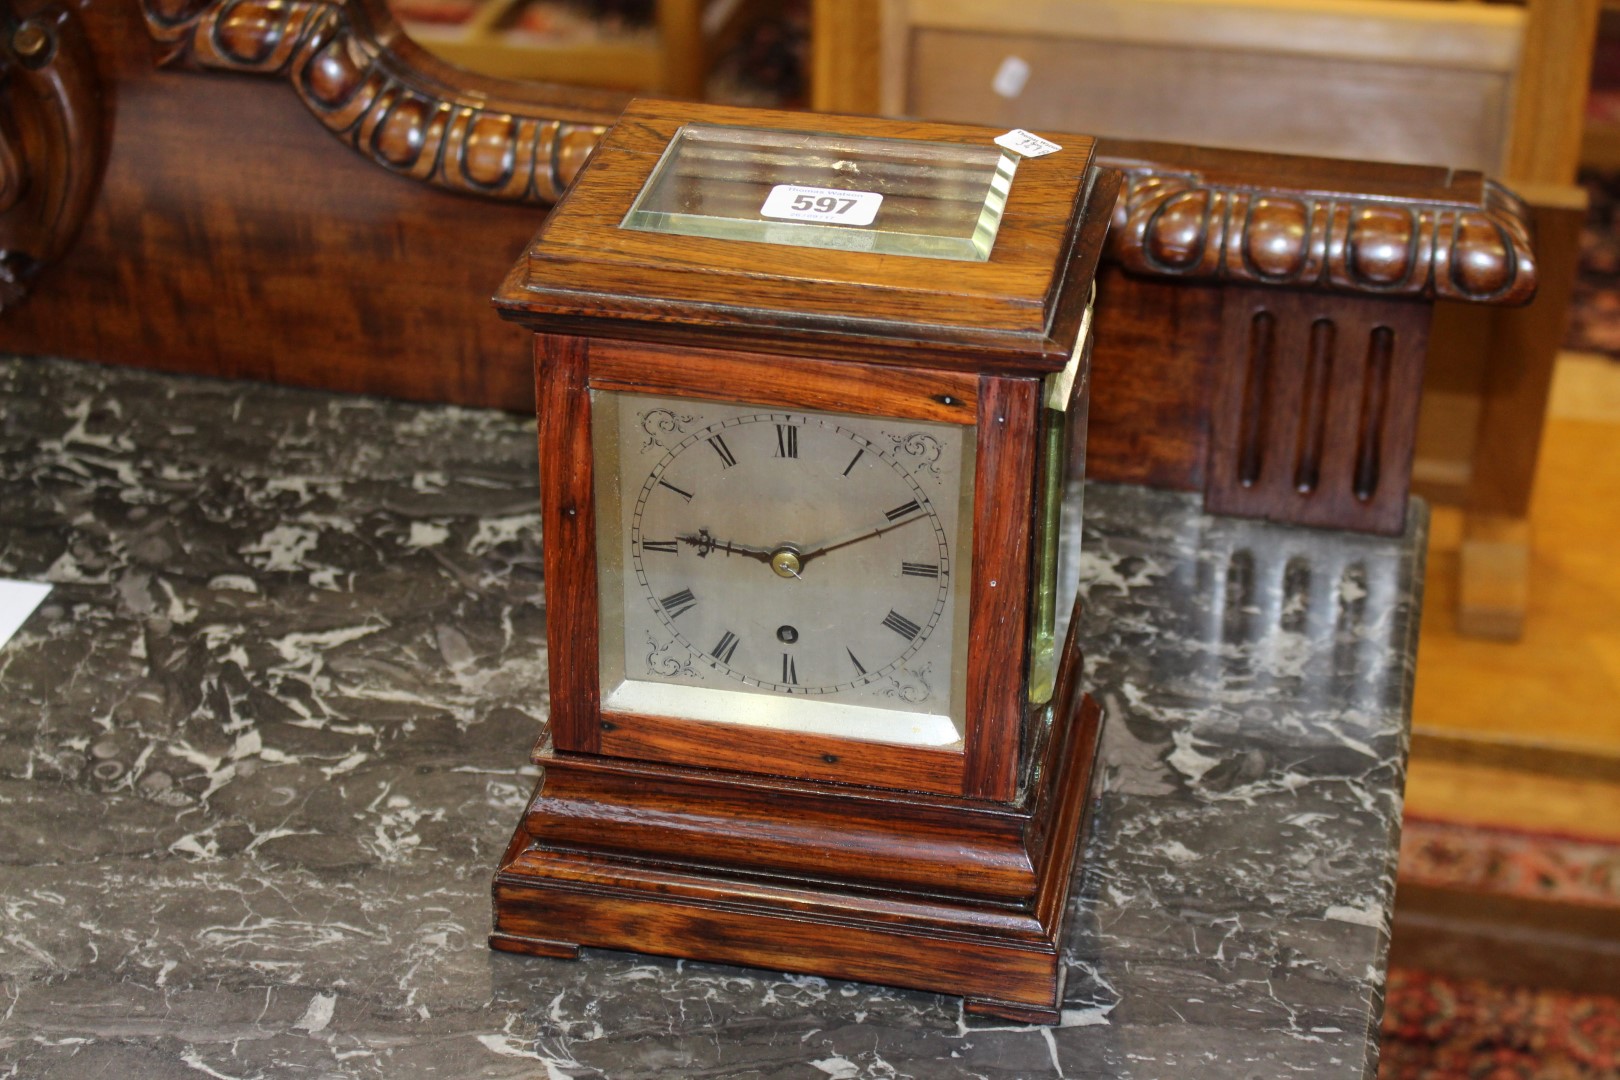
[341, 220]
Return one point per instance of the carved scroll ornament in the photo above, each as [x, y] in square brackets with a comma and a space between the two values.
[371, 86]
[1177, 224]
[52, 139]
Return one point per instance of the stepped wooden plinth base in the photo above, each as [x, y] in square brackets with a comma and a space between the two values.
[949, 895]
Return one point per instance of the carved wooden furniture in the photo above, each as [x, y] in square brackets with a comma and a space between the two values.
[220, 188]
[52, 139]
[1490, 87]
[808, 709]
[1500, 430]
[295, 190]
[1311, 339]
[389, 99]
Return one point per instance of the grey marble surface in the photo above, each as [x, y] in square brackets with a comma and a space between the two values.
[262, 745]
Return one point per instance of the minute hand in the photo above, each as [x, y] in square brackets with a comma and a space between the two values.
[855, 538]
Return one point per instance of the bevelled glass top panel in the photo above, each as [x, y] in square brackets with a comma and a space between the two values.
[891, 196]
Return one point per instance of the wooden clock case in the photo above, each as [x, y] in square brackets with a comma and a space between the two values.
[942, 869]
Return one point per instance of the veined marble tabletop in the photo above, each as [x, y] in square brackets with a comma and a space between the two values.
[263, 743]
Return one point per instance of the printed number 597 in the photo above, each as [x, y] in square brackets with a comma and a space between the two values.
[825, 204]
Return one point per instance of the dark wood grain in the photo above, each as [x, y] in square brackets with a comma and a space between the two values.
[1523, 348]
[683, 913]
[1005, 414]
[53, 138]
[787, 876]
[760, 379]
[1067, 307]
[586, 274]
[783, 753]
[1153, 369]
[233, 236]
[1350, 227]
[753, 823]
[1316, 408]
[568, 522]
[809, 876]
[1003, 512]
[1061, 822]
[1055, 820]
[533, 946]
[389, 100]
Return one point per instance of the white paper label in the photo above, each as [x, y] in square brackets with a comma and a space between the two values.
[18, 599]
[1025, 144]
[1060, 385]
[827, 205]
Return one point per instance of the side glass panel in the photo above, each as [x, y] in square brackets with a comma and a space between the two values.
[1059, 508]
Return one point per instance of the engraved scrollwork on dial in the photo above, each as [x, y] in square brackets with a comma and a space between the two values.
[909, 686]
[657, 423]
[664, 660]
[922, 450]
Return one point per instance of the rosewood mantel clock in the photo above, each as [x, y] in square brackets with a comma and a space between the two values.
[805, 385]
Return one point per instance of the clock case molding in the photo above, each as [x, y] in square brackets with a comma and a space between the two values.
[644, 834]
[937, 868]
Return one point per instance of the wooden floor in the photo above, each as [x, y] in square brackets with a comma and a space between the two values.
[1528, 734]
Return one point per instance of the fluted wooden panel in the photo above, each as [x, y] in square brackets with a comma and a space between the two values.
[1315, 409]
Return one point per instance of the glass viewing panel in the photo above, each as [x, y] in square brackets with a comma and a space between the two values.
[891, 196]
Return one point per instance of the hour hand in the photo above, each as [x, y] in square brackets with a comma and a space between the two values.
[707, 545]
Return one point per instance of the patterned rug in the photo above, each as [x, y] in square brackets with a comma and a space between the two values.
[1452, 1029]
[1594, 318]
[1437, 1028]
[1510, 862]
[1594, 324]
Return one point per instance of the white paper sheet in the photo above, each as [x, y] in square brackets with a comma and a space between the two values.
[18, 599]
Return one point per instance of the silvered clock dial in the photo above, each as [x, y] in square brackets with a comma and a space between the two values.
[788, 568]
